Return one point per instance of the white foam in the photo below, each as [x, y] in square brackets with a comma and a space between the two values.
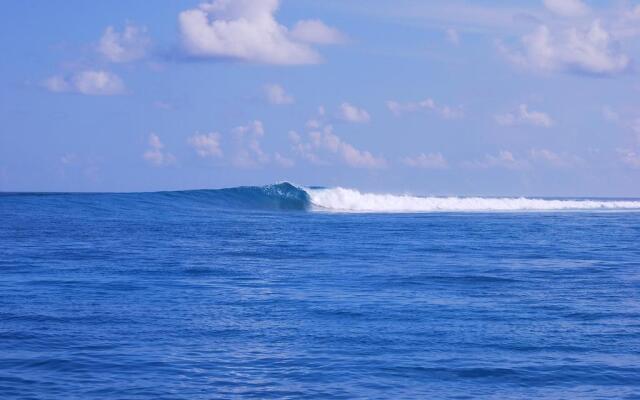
[350, 200]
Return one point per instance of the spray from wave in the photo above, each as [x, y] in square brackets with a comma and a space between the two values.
[349, 200]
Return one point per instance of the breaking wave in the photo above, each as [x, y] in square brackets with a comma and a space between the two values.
[349, 200]
[286, 196]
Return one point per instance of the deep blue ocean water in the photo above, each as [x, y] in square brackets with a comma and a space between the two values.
[249, 294]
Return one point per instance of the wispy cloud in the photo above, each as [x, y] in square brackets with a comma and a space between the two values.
[89, 82]
[349, 112]
[427, 161]
[554, 159]
[315, 31]
[453, 36]
[129, 45]
[429, 104]
[523, 116]
[277, 95]
[567, 8]
[156, 154]
[504, 159]
[206, 145]
[249, 152]
[629, 157]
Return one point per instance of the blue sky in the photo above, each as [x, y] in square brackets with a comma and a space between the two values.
[439, 97]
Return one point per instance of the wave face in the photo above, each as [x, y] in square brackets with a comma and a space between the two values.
[280, 196]
[349, 200]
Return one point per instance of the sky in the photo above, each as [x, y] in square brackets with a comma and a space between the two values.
[445, 97]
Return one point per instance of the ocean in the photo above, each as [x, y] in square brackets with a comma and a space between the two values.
[287, 292]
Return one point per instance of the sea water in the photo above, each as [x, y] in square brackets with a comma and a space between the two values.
[328, 293]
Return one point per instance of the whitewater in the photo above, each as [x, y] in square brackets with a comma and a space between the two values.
[351, 200]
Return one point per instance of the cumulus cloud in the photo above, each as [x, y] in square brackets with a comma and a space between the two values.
[249, 152]
[429, 104]
[524, 116]
[427, 161]
[206, 145]
[315, 31]
[277, 95]
[89, 82]
[351, 113]
[591, 50]
[327, 141]
[567, 8]
[247, 30]
[129, 45]
[155, 154]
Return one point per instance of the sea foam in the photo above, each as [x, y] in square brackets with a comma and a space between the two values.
[349, 200]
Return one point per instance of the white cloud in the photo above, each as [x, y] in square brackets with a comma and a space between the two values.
[206, 145]
[283, 161]
[504, 159]
[129, 45]
[548, 157]
[89, 82]
[427, 161]
[567, 8]
[315, 31]
[313, 124]
[277, 95]
[590, 50]
[524, 116]
[163, 105]
[247, 30]
[249, 151]
[444, 111]
[610, 114]
[452, 36]
[628, 122]
[629, 157]
[351, 113]
[326, 141]
[155, 154]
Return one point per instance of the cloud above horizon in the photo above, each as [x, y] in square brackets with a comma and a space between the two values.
[567, 8]
[523, 116]
[427, 161]
[325, 140]
[131, 44]
[156, 154]
[277, 95]
[88, 82]
[587, 49]
[429, 104]
[206, 144]
[350, 113]
[247, 30]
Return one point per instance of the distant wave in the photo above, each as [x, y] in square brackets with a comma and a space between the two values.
[280, 196]
[286, 196]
